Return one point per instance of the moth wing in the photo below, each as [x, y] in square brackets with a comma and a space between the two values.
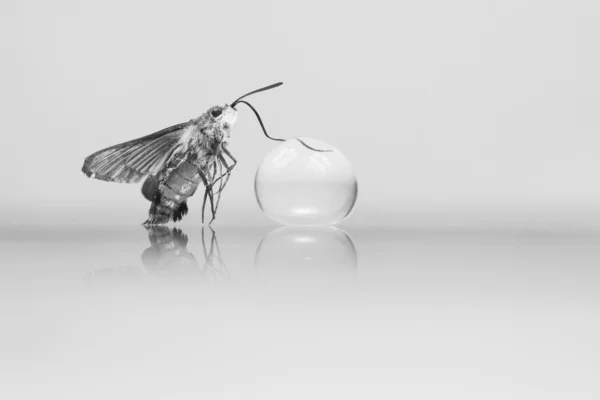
[130, 161]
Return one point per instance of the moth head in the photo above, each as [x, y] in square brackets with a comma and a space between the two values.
[224, 116]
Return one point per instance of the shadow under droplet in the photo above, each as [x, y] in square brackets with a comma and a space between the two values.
[306, 249]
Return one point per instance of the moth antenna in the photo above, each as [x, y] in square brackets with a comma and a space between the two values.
[272, 138]
[256, 91]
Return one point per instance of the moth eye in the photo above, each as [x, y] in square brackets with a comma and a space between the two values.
[215, 113]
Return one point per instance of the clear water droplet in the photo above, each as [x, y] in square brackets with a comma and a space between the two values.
[298, 186]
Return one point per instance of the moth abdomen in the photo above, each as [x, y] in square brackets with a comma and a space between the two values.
[172, 188]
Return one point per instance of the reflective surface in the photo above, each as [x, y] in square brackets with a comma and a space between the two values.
[298, 312]
[298, 186]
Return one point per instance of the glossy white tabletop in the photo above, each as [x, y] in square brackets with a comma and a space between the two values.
[114, 312]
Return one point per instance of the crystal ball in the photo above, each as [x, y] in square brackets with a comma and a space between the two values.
[295, 185]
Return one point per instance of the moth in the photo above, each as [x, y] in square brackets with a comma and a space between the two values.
[175, 160]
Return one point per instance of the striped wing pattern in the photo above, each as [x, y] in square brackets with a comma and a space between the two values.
[129, 162]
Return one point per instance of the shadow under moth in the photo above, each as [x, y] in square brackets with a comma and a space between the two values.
[175, 160]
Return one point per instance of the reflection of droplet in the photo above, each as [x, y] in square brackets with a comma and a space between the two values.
[298, 186]
[306, 250]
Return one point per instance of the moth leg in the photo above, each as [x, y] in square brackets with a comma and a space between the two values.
[208, 192]
[204, 205]
[218, 168]
[209, 186]
[212, 205]
[228, 153]
[229, 168]
[224, 177]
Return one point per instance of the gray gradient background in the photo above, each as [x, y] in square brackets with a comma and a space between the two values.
[470, 265]
[466, 108]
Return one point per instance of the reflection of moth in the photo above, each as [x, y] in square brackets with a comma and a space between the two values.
[175, 161]
[168, 253]
[168, 256]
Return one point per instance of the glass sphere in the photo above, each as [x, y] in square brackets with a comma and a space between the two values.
[295, 185]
